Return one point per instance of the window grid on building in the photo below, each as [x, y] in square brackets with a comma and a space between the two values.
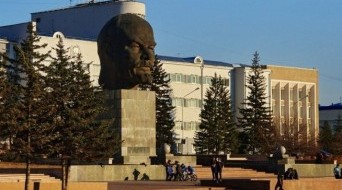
[188, 125]
[178, 102]
[193, 79]
[282, 94]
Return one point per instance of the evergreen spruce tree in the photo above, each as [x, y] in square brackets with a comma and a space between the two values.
[9, 104]
[336, 145]
[217, 130]
[26, 81]
[289, 137]
[164, 109]
[75, 106]
[338, 124]
[255, 122]
[326, 137]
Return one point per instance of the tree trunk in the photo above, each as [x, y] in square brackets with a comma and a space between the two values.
[28, 162]
[28, 171]
[67, 171]
[63, 173]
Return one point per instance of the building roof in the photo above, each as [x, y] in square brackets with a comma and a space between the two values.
[190, 60]
[90, 3]
[292, 67]
[337, 106]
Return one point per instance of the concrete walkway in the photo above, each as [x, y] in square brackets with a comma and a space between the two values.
[162, 185]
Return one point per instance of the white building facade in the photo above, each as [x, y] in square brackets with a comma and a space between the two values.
[190, 79]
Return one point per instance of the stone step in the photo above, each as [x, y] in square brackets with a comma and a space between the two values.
[227, 172]
[22, 177]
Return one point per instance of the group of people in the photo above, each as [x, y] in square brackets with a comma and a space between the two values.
[177, 172]
[216, 169]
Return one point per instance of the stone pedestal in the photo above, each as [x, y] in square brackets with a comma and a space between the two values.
[135, 116]
[287, 160]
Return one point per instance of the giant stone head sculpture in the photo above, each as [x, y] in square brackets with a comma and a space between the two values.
[126, 50]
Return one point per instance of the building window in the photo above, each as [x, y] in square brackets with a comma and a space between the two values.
[96, 68]
[179, 77]
[273, 93]
[300, 94]
[193, 79]
[192, 103]
[178, 125]
[187, 79]
[193, 126]
[198, 79]
[226, 82]
[197, 126]
[167, 77]
[309, 112]
[208, 80]
[188, 126]
[177, 102]
[282, 126]
[291, 94]
[282, 94]
[173, 77]
[274, 107]
[183, 78]
[282, 111]
[292, 109]
[302, 111]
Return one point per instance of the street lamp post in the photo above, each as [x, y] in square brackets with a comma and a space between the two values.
[202, 67]
[183, 103]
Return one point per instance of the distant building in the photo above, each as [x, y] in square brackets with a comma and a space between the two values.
[190, 78]
[82, 21]
[3, 47]
[292, 92]
[330, 114]
[240, 92]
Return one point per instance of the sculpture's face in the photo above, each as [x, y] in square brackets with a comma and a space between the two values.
[138, 56]
[126, 49]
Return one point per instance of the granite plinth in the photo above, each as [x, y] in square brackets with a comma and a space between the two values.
[134, 114]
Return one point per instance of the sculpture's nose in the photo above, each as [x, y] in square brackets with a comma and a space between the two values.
[148, 55]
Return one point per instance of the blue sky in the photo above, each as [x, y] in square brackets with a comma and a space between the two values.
[297, 33]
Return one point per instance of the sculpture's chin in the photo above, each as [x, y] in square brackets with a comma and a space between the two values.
[143, 75]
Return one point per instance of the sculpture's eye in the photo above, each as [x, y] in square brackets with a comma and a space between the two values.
[135, 46]
[151, 48]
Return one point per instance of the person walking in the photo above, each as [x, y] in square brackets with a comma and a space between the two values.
[213, 168]
[169, 170]
[219, 168]
[280, 181]
[178, 172]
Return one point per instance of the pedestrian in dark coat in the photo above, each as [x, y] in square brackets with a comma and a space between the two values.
[213, 168]
[219, 168]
